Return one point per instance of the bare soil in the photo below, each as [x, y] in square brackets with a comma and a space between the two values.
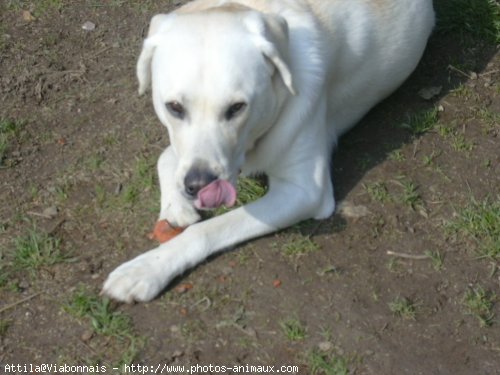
[86, 144]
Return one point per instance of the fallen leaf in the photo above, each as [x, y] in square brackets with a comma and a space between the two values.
[277, 283]
[164, 232]
[349, 210]
[88, 26]
[27, 16]
[183, 288]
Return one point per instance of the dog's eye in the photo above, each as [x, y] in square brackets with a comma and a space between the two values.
[234, 109]
[176, 109]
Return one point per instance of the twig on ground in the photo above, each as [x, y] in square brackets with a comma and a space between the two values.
[14, 304]
[407, 256]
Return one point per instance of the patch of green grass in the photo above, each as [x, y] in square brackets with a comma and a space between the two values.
[410, 195]
[397, 155]
[106, 321]
[193, 330]
[142, 178]
[8, 130]
[322, 363]
[445, 131]
[421, 122]
[4, 276]
[249, 190]
[293, 329]
[403, 308]
[299, 245]
[456, 138]
[479, 19]
[462, 91]
[378, 191]
[394, 265]
[490, 120]
[95, 161]
[428, 160]
[437, 259]
[37, 249]
[480, 221]
[39, 7]
[479, 304]
[98, 310]
[4, 326]
[459, 143]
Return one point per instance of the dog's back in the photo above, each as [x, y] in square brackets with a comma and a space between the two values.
[374, 46]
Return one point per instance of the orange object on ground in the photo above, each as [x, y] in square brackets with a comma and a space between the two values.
[164, 232]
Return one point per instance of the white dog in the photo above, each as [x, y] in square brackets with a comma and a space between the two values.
[260, 86]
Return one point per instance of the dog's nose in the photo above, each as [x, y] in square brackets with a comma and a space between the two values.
[196, 179]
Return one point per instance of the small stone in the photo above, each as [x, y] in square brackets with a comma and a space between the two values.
[325, 346]
[349, 210]
[177, 354]
[27, 16]
[428, 93]
[86, 336]
[88, 26]
[50, 212]
[23, 284]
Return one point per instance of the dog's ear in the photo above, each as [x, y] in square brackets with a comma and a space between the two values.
[158, 25]
[271, 37]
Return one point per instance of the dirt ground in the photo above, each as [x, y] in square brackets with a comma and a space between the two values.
[404, 279]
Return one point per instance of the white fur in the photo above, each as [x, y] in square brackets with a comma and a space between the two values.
[308, 70]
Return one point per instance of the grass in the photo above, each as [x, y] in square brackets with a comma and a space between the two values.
[322, 363]
[299, 245]
[397, 155]
[429, 160]
[480, 221]
[421, 122]
[106, 321]
[8, 131]
[103, 319]
[378, 191]
[293, 329]
[40, 7]
[490, 120]
[437, 259]
[37, 249]
[457, 139]
[410, 195]
[477, 19]
[459, 143]
[4, 276]
[403, 308]
[4, 326]
[142, 178]
[479, 304]
[249, 190]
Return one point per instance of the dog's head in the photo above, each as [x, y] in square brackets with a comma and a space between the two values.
[219, 80]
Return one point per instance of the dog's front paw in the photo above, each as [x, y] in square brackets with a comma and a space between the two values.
[179, 213]
[136, 280]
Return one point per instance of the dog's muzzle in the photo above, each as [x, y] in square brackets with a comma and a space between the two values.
[196, 179]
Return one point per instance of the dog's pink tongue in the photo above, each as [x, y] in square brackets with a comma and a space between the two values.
[216, 194]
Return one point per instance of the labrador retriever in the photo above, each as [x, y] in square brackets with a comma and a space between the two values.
[260, 87]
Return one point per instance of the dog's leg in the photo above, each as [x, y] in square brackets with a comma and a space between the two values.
[175, 208]
[287, 202]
